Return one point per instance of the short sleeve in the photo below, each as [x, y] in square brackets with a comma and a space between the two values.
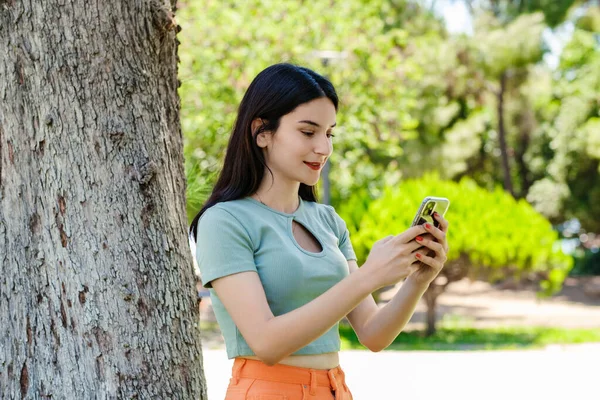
[343, 235]
[223, 246]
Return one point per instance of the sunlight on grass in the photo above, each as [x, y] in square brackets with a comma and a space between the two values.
[457, 334]
[468, 338]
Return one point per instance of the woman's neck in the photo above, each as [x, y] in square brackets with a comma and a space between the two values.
[277, 197]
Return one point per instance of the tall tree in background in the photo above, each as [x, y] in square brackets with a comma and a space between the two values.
[508, 39]
[567, 152]
[97, 294]
[506, 52]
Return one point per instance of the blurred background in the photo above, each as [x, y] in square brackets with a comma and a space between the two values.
[493, 104]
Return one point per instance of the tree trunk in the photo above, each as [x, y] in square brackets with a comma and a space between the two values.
[453, 271]
[97, 294]
[523, 142]
[430, 297]
[502, 136]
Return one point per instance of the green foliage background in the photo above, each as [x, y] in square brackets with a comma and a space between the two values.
[416, 100]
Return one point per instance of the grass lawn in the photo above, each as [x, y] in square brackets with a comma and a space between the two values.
[451, 337]
[468, 338]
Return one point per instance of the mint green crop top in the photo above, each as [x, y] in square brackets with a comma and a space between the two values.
[246, 235]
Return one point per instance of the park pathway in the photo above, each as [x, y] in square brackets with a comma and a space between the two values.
[554, 373]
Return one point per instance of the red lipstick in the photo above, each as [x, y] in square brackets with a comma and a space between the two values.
[313, 166]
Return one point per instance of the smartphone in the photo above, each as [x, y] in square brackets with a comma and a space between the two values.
[429, 205]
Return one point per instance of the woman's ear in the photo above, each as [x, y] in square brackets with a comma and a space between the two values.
[262, 137]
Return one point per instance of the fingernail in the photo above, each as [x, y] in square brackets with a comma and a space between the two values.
[428, 226]
[419, 238]
[418, 255]
[436, 214]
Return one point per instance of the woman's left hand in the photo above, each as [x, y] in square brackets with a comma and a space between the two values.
[431, 257]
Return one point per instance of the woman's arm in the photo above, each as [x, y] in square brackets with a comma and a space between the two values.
[377, 328]
[274, 338]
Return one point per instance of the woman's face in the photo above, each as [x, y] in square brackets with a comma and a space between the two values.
[303, 142]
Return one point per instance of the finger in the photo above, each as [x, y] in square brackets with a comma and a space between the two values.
[436, 232]
[410, 233]
[410, 247]
[442, 221]
[427, 252]
[417, 245]
[432, 262]
[424, 251]
[426, 236]
[387, 239]
[443, 226]
[433, 245]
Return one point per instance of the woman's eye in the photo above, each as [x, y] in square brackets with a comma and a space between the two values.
[310, 134]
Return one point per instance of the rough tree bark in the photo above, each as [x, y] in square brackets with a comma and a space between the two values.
[97, 294]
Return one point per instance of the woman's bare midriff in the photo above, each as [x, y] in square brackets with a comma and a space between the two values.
[314, 361]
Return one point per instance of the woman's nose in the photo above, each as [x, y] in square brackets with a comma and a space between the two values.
[324, 146]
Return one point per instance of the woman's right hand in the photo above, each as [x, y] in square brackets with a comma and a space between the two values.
[393, 258]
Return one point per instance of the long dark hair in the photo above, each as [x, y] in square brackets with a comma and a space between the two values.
[275, 92]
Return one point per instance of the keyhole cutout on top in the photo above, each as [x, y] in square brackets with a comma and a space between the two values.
[305, 239]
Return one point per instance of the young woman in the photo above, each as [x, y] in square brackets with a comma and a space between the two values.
[280, 266]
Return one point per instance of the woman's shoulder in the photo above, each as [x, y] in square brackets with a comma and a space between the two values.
[324, 209]
[226, 218]
[325, 212]
[233, 209]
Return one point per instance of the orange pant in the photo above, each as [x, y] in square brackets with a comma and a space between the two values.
[254, 380]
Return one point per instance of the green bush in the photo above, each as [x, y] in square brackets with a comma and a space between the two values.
[493, 233]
